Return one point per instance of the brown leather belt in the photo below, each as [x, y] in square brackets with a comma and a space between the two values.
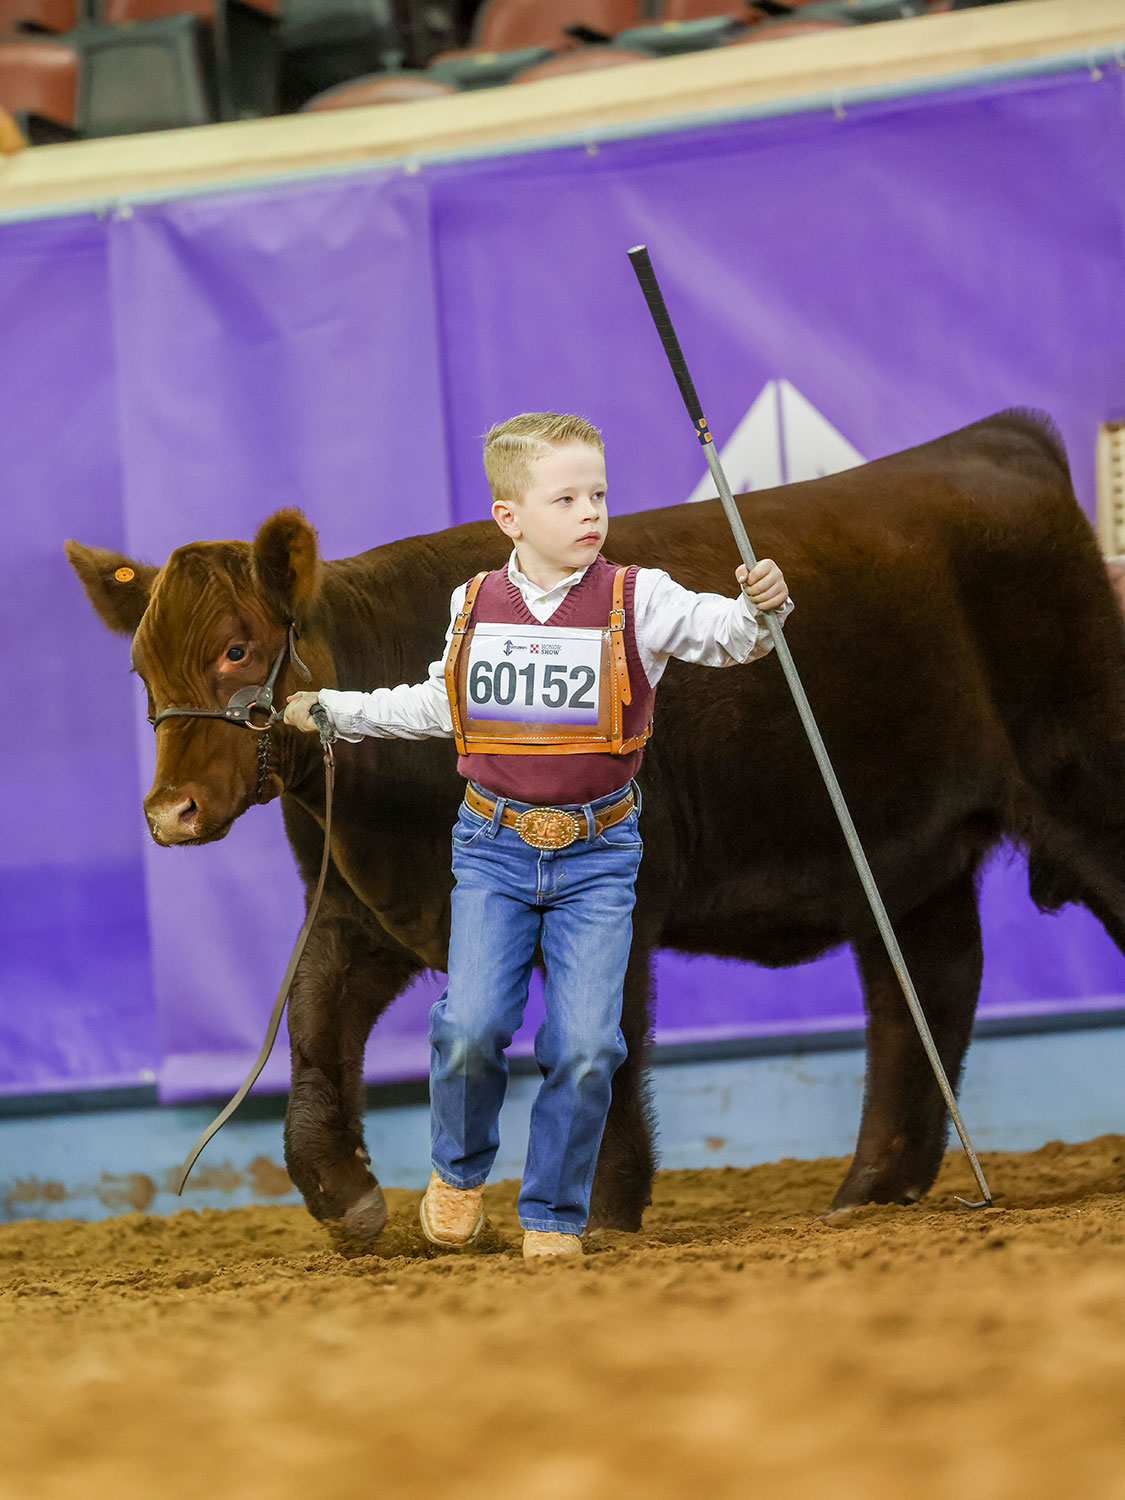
[550, 827]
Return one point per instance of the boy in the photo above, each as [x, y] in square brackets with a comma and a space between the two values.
[546, 684]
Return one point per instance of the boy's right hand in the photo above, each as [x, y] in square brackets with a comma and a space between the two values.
[297, 714]
[763, 584]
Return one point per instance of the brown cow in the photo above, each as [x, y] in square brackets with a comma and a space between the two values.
[963, 651]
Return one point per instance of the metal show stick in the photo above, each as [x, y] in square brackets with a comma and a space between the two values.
[642, 265]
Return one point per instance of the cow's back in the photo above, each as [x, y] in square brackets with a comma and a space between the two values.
[960, 646]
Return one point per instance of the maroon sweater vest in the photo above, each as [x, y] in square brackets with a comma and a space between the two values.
[555, 779]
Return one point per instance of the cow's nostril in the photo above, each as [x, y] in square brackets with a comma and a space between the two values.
[175, 815]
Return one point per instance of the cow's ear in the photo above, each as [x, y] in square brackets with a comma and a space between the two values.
[117, 586]
[287, 564]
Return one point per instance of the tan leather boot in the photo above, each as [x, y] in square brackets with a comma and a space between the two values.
[542, 1244]
[451, 1215]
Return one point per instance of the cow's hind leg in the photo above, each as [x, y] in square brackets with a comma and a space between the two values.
[626, 1162]
[905, 1124]
[346, 978]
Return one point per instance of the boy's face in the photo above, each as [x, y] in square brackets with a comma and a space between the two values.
[561, 521]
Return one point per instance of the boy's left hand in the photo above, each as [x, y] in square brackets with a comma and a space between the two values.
[763, 584]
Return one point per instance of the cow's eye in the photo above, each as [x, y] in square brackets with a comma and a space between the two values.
[236, 653]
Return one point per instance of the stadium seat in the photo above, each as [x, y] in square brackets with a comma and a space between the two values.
[782, 26]
[862, 12]
[39, 88]
[23, 16]
[151, 75]
[244, 45]
[485, 70]
[511, 36]
[698, 10]
[503, 25]
[381, 88]
[672, 37]
[580, 60]
[329, 42]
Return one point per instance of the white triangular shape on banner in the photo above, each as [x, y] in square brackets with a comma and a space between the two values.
[752, 457]
[813, 447]
[782, 438]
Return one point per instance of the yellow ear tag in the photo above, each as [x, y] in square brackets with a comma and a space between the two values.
[124, 575]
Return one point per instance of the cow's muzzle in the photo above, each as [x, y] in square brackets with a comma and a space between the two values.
[175, 816]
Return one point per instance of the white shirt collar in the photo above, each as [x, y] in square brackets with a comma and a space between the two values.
[531, 590]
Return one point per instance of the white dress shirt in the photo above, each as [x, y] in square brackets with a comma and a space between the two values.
[668, 620]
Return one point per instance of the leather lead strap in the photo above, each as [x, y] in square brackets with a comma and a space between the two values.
[283, 993]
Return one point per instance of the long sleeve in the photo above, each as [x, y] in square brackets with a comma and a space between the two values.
[411, 711]
[711, 630]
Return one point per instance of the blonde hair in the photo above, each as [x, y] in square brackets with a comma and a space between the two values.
[511, 447]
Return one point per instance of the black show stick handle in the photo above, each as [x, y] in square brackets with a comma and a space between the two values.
[642, 265]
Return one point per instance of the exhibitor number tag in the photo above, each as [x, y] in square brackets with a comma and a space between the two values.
[534, 674]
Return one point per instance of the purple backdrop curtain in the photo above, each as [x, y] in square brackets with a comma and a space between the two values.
[275, 349]
[181, 369]
[75, 987]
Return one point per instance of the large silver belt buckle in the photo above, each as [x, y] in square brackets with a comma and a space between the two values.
[547, 827]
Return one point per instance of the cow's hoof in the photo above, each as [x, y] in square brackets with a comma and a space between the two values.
[892, 1182]
[606, 1227]
[838, 1215]
[621, 1220]
[362, 1224]
[842, 1209]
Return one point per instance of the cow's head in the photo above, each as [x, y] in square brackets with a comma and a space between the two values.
[212, 620]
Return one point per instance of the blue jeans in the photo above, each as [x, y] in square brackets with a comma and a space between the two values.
[577, 903]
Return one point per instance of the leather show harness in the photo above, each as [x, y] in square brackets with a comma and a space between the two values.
[240, 709]
[242, 705]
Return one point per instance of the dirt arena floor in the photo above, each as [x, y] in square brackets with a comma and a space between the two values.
[741, 1346]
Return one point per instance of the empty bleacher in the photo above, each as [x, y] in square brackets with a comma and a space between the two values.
[73, 69]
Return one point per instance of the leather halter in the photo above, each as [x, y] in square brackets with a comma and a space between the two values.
[241, 705]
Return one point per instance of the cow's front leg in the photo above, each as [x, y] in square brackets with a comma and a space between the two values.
[626, 1162]
[903, 1132]
[344, 982]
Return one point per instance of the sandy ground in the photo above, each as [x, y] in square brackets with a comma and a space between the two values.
[740, 1347]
